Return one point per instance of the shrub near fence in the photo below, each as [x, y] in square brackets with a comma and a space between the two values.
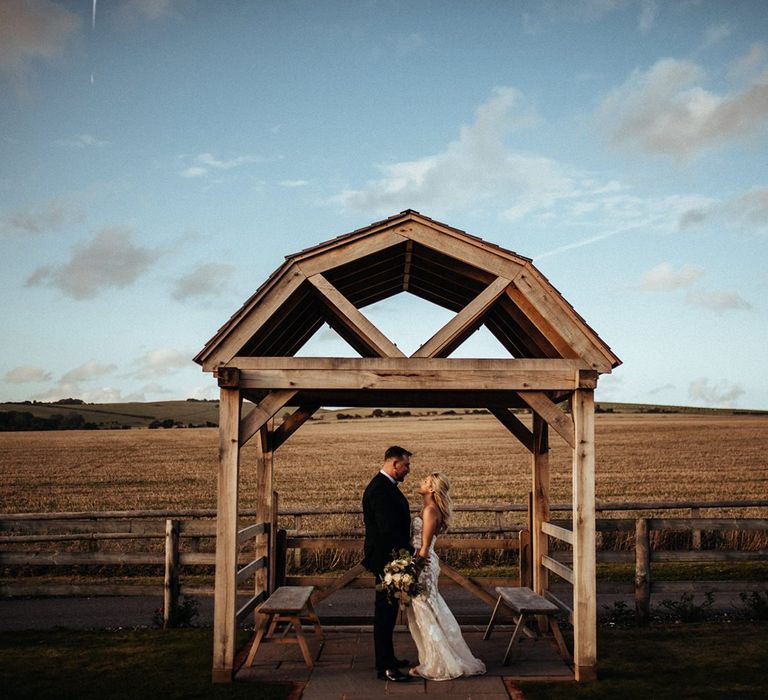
[178, 543]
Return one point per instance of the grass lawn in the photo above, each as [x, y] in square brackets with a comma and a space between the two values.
[699, 661]
[116, 664]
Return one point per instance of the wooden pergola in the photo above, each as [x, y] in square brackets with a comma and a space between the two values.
[555, 361]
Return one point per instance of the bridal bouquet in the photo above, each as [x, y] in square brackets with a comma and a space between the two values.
[401, 579]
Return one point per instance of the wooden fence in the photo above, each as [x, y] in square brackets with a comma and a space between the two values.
[178, 537]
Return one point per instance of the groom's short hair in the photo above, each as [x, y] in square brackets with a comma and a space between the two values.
[396, 452]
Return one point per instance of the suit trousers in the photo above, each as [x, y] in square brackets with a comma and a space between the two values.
[384, 619]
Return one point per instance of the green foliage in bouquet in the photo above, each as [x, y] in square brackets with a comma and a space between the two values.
[401, 578]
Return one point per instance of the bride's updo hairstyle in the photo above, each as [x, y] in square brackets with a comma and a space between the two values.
[440, 487]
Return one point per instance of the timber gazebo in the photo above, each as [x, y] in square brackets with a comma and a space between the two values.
[555, 361]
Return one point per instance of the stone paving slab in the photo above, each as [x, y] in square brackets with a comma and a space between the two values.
[344, 667]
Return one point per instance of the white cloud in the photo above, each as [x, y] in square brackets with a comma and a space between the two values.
[206, 280]
[87, 371]
[721, 394]
[293, 183]
[32, 31]
[666, 110]
[664, 277]
[475, 167]
[42, 217]
[752, 65]
[649, 10]
[26, 374]
[716, 33]
[134, 11]
[718, 301]
[661, 389]
[752, 207]
[109, 260]
[82, 141]
[203, 163]
[160, 362]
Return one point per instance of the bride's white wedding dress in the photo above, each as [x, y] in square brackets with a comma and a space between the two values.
[443, 653]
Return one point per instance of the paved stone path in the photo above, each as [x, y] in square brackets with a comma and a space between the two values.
[344, 667]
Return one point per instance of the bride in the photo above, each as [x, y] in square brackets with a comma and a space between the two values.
[443, 653]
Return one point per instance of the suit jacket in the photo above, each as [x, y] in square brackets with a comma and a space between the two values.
[387, 523]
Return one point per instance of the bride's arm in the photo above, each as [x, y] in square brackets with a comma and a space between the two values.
[430, 523]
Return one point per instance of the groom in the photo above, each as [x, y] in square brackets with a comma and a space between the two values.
[387, 528]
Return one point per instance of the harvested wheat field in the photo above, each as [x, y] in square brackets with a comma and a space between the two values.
[328, 462]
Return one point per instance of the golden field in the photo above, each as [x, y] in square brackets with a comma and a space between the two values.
[327, 462]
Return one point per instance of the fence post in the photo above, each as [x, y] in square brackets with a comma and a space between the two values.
[526, 569]
[296, 563]
[280, 556]
[171, 578]
[642, 572]
[696, 534]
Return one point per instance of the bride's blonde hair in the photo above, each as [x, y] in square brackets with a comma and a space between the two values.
[440, 487]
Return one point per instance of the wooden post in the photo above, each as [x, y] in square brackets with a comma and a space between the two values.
[696, 534]
[642, 572]
[526, 575]
[584, 565]
[281, 545]
[226, 536]
[540, 504]
[171, 579]
[296, 563]
[264, 476]
[272, 560]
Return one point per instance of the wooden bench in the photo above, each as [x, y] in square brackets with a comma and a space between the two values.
[291, 605]
[524, 603]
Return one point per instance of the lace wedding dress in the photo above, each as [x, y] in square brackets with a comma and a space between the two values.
[443, 653]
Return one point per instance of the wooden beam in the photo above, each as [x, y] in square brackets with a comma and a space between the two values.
[540, 507]
[559, 533]
[350, 318]
[563, 320]
[543, 406]
[339, 583]
[264, 463]
[468, 584]
[407, 374]
[407, 266]
[291, 424]
[515, 426]
[254, 313]
[584, 560]
[225, 595]
[262, 412]
[558, 568]
[453, 333]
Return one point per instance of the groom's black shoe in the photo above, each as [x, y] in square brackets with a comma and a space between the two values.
[402, 663]
[392, 674]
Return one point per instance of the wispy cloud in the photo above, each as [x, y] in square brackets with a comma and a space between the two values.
[31, 32]
[664, 277]
[649, 10]
[206, 280]
[42, 217]
[140, 11]
[159, 363]
[202, 164]
[666, 110]
[716, 33]
[718, 301]
[27, 374]
[476, 166]
[109, 260]
[747, 211]
[82, 141]
[86, 372]
[293, 183]
[720, 394]
[752, 65]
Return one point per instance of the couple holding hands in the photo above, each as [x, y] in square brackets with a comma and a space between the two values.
[443, 653]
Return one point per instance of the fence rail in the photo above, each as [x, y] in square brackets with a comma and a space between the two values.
[192, 526]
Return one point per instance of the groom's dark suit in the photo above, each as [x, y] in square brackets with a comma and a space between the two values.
[387, 529]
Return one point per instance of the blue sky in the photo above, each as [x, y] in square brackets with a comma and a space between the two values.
[160, 157]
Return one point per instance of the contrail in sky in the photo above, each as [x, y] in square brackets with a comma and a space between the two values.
[93, 21]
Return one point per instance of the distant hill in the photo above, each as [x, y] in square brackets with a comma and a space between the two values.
[72, 414]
